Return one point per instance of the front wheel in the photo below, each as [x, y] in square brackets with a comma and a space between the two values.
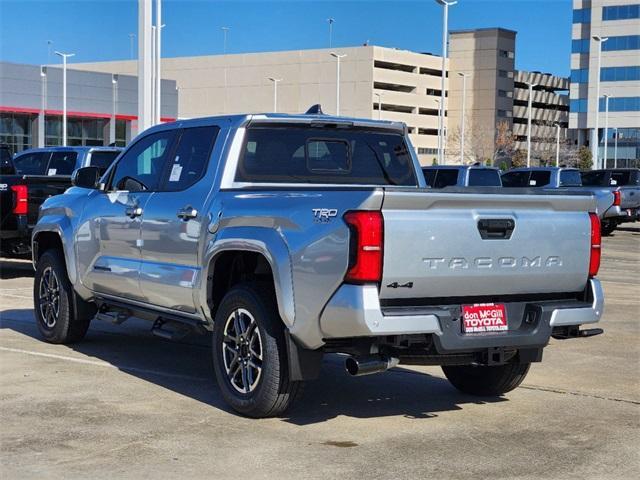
[61, 316]
[249, 352]
[486, 380]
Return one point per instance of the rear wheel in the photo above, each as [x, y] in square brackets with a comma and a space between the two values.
[486, 380]
[249, 352]
[61, 316]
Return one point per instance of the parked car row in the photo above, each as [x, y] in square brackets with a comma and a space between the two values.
[617, 191]
[31, 177]
[287, 237]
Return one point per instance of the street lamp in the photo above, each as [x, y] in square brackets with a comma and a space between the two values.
[615, 147]
[114, 109]
[64, 94]
[531, 85]
[606, 129]
[225, 30]
[379, 95]
[557, 124]
[337, 56]
[464, 95]
[275, 92]
[42, 116]
[131, 37]
[595, 143]
[158, 86]
[331, 21]
[445, 35]
[49, 44]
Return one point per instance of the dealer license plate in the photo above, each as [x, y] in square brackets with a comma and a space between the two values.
[484, 317]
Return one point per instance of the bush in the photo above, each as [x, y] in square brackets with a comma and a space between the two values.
[585, 159]
[435, 161]
[519, 159]
[503, 166]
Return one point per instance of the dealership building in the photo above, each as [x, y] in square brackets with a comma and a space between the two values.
[101, 107]
[617, 21]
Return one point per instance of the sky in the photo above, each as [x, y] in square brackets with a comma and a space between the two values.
[97, 30]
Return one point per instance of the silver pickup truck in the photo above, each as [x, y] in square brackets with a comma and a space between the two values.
[287, 237]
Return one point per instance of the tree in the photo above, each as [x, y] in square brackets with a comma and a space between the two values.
[504, 146]
[519, 159]
[585, 160]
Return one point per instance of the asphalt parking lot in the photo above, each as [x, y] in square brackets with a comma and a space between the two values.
[126, 404]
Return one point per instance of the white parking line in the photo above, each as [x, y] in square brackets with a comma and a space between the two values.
[99, 363]
[13, 295]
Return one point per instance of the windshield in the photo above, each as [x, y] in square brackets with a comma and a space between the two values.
[303, 154]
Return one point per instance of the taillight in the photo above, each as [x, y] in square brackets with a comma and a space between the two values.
[20, 202]
[616, 198]
[366, 250]
[594, 260]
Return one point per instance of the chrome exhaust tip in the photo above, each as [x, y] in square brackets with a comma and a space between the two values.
[359, 366]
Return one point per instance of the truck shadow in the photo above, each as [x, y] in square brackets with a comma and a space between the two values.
[185, 368]
[10, 269]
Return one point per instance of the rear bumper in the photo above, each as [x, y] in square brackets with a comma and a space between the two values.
[355, 311]
[622, 215]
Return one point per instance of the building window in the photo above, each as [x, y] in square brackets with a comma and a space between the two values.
[505, 74]
[582, 15]
[394, 66]
[506, 54]
[580, 75]
[581, 45]
[394, 87]
[436, 93]
[503, 93]
[80, 131]
[121, 133]
[505, 113]
[15, 131]
[621, 104]
[625, 42]
[619, 74]
[427, 151]
[620, 12]
[578, 105]
[427, 131]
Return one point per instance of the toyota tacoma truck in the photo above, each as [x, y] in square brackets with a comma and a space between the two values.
[289, 237]
[31, 177]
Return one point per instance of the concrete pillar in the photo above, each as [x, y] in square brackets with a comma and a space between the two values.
[145, 77]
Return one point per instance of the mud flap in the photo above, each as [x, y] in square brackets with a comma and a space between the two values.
[304, 364]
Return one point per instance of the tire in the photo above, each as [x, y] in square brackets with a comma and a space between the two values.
[607, 227]
[486, 381]
[261, 387]
[61, 316]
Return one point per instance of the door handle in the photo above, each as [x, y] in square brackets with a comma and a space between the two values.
[496, 228]
[133, 212]
[187, 212]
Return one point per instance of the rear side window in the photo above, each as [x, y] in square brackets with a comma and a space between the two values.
[191, 157]
[593, 179]
[539, 178]
[31, 163]
[515, 179]
[446, 178]
[295, 154]
[570, 178]
[620, 178]
[103, 159]
[62, 163]
[480, 177]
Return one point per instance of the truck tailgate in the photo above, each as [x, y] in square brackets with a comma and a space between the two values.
[434, 245]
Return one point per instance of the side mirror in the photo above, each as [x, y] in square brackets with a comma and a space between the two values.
[86, 177]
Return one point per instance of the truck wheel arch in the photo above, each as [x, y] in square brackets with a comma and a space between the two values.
[47, 239]
[235, 258]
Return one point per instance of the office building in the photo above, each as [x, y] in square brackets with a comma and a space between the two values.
[617, 21]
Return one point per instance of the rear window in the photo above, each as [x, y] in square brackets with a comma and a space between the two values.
[570, 178]
[539, 178]
[31, 163]
[446, 178]
[102, 159]
[62, 163]
[620, 178]
[515, 179]
[484, 177]
[594, 179]
[295, 154]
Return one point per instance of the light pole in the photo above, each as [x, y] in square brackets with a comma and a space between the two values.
[64, 94]
[337, 56]
[445, 36]
[225, 30]
[275, 93]
[595, 143]
[132, 36]
[557, 124]
[114, 109]
[331, 21]
[379, 95]
[159, 27]
[606, 129]
[154, 44]
[49, 45]
[531, 85]
[464, 99]
[43, 113]
[615, 147]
